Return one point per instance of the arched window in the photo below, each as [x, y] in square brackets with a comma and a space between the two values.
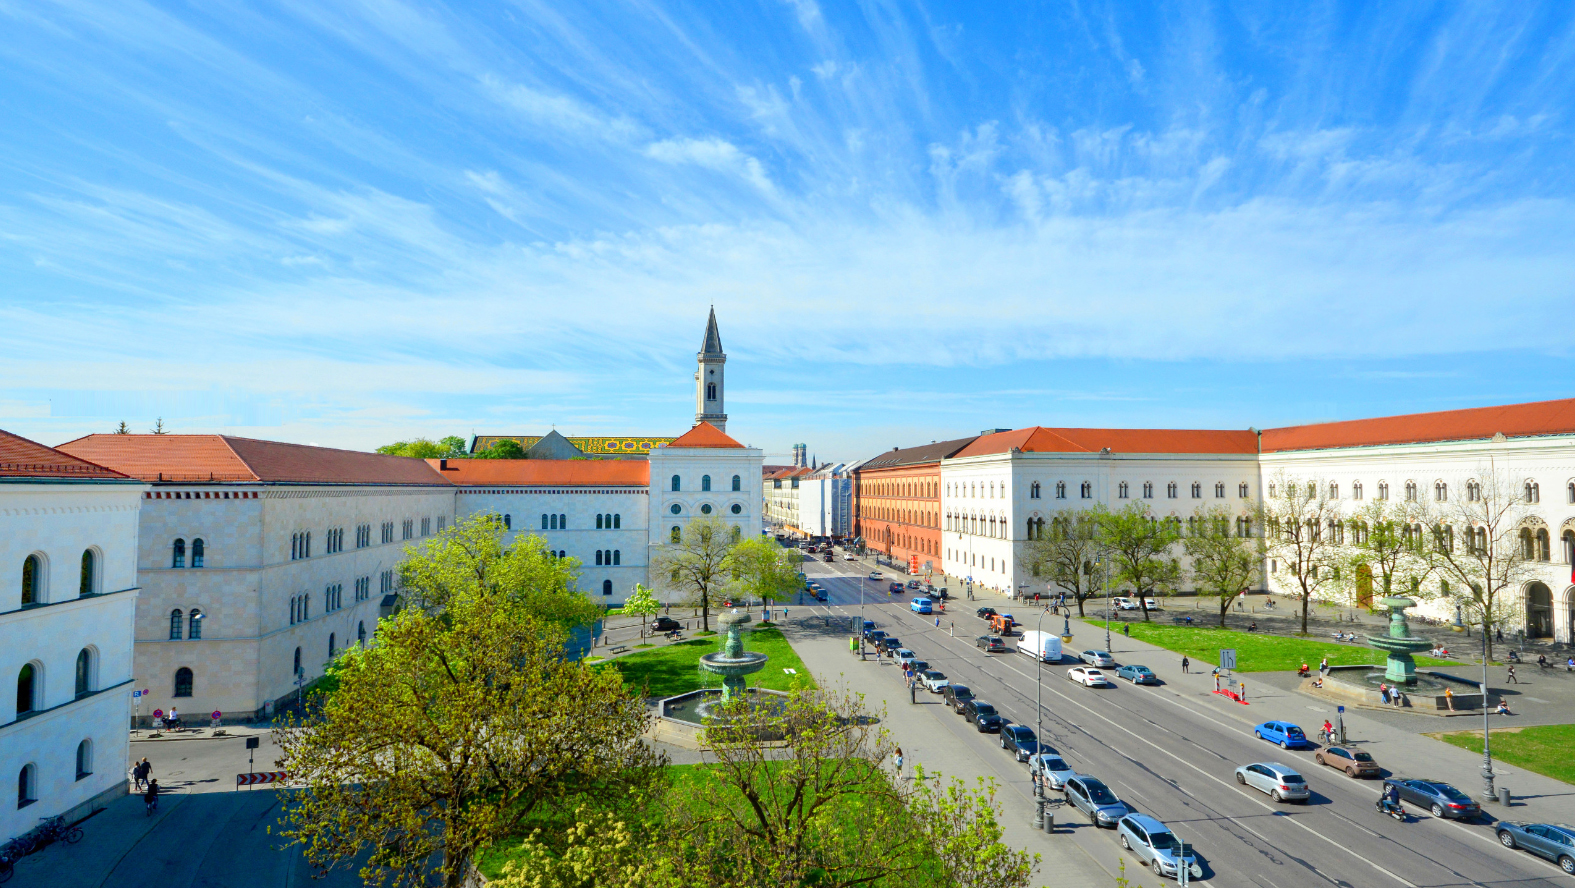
[598, 522]
[617, 557]
[1121, 490]
[32, 580]
[295, 546]
[1170, 490]
[1528, 547]
[85, 585]
[1356, 490]
[1533, 493]
[26, 689]
[27, 786]
[617, 521]
[1568, 538]
[675, 534]
[297, 669]
[738, 483]
[544, 521]
[1383, 490]
[84, 759]
[1440, 492]
[176, 620]
[194, 624]
[1543, 547]
[705, 482]
[84, 672]
[1410, 491]
[598, 558]
[1243, 490]
[738, 533]
[332, 642]
[360, 632]
[1197, 490]
[563, 522]
[1060, 490]
[553, 520]
[183, 682]
[606, 587]
[178, 554]
[1569, 489]
[675, 483]
[197, 551]
[508, 522]
[1219, 489]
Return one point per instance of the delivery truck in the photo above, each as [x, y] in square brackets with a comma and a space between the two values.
[1044, 645]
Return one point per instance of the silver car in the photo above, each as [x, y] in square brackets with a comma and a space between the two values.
[1052, 768]
[1091, 796]
[1281, 782]
[1156, 846]
[1098, 659]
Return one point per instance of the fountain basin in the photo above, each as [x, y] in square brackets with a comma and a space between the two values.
[1358, 685]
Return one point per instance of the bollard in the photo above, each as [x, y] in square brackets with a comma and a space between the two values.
[1503, 796]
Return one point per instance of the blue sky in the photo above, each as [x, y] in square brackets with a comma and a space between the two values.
[348, 223]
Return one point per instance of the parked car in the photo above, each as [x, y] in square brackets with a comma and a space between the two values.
[1354, 762]
[1438, 797]
[1094, 798]
[921, 606]
[873, 636]
[1020, 741]
[933, 681]
[1138, 675]
[869, 626]
[957, 696]
[1556, 842]
[1285, 734]
[942, 594]
[888, 644]
[1088, 677]
[983, 715]
[1102, 659]
[874, 575]
[984, 613]
[906, 657]
[1051, 768]
[1124, 604]
[666, 624]
[1281, 782]
[918, 666]
[915, 585]
[990, 644]
[1156, 847]
[1151, 604]
[895, 588]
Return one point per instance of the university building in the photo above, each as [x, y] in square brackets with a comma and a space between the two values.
[68, 538]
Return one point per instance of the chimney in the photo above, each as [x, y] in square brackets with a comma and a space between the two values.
[443, 465]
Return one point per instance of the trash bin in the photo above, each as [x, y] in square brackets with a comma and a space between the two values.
[1503, 796]
[1049, 821]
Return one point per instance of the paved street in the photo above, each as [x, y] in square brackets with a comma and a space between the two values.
[1170, 751]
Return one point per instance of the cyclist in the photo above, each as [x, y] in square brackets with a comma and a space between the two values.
[150, 796]
[1327, 733]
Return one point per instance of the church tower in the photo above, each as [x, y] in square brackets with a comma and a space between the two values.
[708, 378]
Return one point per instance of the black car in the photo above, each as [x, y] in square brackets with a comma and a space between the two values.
[918, 667]
[990, 644]
[666, 624]
[888, 644]
[873, 636]
[895, 588]
[984, 613]
[1020, 740]
[957, 696]
[1438, 797]
[983, 715]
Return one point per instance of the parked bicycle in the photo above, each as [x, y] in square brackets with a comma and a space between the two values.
[53, 829]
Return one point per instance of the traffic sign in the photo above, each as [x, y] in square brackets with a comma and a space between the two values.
[1227, 658]
[1340, 708]
[135, 694]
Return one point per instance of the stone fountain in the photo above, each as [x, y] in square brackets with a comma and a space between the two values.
[733, 662]
[1399, 644]
[1425, 693]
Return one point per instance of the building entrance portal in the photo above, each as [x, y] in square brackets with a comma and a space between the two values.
[1539, 611]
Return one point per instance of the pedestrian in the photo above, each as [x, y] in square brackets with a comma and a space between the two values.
[1126, 629]
[1498, 634]
[1185, 664]
[1323, 667]
[1383, 691]
[173, 719]
[1449, 698]
[1510, 678]
[147, 771]
[897, 760]
[1399, 699]
[150, 796]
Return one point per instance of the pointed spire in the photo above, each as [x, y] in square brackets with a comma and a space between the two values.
[713, 339]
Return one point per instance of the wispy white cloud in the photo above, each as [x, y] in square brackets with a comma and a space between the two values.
[714, 154]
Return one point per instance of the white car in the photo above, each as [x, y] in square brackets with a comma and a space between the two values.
[1101, 659]
[850, 557]
[905, 656]
[934, 681]
[1151, 604]
[874, 576]
[1088, 677]
[1125, 604]
[1281, 782]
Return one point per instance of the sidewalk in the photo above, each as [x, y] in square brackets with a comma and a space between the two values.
[1400, 748]
[925, 734]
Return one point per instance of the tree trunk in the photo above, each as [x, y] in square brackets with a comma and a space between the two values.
[455, 869]
[1080, 599]
[1306, 597]
[1225, 601]
[705, 610]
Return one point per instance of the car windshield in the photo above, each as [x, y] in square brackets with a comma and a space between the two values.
[1054, 764]
[1361, 756]
[962, 692]
[1099, 794]
[1162, 841]
[1288, 777]
[932, 675]
[1449, 792]
[984, 709]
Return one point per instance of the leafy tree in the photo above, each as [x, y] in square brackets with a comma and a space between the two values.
[1223, 563]
[1299, 523]
[469, 558]
[456, 727]
[698, 565]
[1386, 540]
[452, 447]
[1065, 554]
[1494, 557]
[1138, 546]
[642, 602]
[761, 569]
[455, 447]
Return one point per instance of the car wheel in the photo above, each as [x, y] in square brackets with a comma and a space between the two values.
[1241, 779]
[1157, 871]
[1319, 759]
[1258, 734]
[1505, 839]
[1567, 864]
[1275, 795]
[1438, 810]
[1124, 843]
[1284, 745]
[1003, 742]
[1094, 819]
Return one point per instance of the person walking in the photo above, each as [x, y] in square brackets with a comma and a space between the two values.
[1126, 629]
[1498, 634]
[1449, 698]
[1510, 677]
[144, 770]
[897, 760]
[1186, 665]
[1383, 691]
[150, 796]
[1323, 667]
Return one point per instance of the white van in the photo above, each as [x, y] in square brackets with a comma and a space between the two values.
[1044, 645]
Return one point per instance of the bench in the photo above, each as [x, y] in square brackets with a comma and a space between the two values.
[620, 649]
[1181, 619]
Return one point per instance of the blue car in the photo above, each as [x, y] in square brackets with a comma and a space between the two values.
[1285, 734]
[1137, 674]
[920, 606]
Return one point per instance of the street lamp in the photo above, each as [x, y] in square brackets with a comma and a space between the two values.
[1099, 562]
[1487, 747]
[1039, 722]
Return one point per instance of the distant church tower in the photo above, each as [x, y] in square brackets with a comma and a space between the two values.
[708, 378]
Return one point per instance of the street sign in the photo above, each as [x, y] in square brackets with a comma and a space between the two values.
[1227, 658]
[135, 694]
[1339, 708]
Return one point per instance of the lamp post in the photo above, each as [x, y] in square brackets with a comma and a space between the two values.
[1487, 746]
[1099, 562]
[1039, 722]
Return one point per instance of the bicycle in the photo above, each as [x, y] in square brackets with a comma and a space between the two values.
[54, 829]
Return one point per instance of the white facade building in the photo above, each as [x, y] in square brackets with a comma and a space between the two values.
[68, 536]
[704, 474]
[825, 501]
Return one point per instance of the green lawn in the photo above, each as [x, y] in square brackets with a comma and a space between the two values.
[1542, 748]
[675, 668]
[1255, 651]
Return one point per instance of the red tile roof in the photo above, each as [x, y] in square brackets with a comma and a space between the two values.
[21, 458]
[704, 434]
[1513, 420]
[546, 472]
[195, 458]
[1037, 439]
